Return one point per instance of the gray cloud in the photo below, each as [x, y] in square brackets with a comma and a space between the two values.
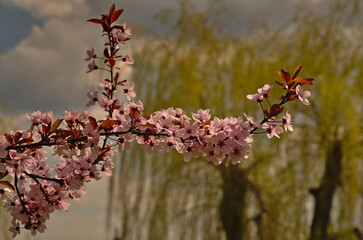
[47, 69]
[49, 8]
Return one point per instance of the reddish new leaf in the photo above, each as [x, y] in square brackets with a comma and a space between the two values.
[296, 72]
[275, 110]
[17, 136]
[118, 26]
[307, 81]
[116, 15]
[8, 184]
[115, 79]
[134, 113]
[281, 84]
[55, 126]
[285, 75]
[106, 53]
[112, 62]
[112, 10]
[93, 122]
[9, 138]
[107, 124]
[95, 20]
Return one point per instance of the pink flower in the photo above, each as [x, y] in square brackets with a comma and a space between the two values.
[107, 167]
[251, 122]
[122, 37]
[128, 59]
[262, 93]
[272, 129]
[286, 120]
[92, 66]
[91, 133]
[126, 29]
[302, 95]
[129, 90]
[238, 153]
[91, 54]
[201, 115]
[105, 102]
[15, 229]
[93, 98]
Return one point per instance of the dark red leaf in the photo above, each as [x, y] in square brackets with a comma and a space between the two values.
[9, 138]
[134, 113]
[297, 70]
[93, 122]
[17, 136]
[55, 126]
[279, 83]
[94, 20]
[112, 10]
[290, 83]
[112, 62]
[115, 79]
[118, 26]
[8, 184]
[116, 15]
[307, 81]
[107, 124]
[275, 110]
[285, 75]
[106, 53]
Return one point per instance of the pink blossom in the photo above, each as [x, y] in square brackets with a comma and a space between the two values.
[303, 95]
[122, 37]
[107, 167]
[129, 90]
[106, 85]
[128, 59]
[237, 154]
[188, 130]
[286, 120]
[105, 102]
[201, 115]
[91, 133]
[93, 98]
[251, 122]
[92, 66]
[91, 54]
[273, 129]
[262, 93]
[73, 118]
[15, 229]
[126, 29]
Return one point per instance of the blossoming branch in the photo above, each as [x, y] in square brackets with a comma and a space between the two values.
[85, 145]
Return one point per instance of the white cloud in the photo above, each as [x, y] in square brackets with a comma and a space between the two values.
[50, 8]
[47, 69]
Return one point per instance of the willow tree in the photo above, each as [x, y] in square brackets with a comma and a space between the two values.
[273, 195]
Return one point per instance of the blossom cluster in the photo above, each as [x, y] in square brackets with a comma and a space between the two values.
[85, 146]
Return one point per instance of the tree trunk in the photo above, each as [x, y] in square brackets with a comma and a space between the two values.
[323, 195]
[232, 206]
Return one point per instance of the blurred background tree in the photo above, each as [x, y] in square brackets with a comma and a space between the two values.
[306, 185]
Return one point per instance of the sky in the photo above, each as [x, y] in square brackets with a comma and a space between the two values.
[42, 67]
